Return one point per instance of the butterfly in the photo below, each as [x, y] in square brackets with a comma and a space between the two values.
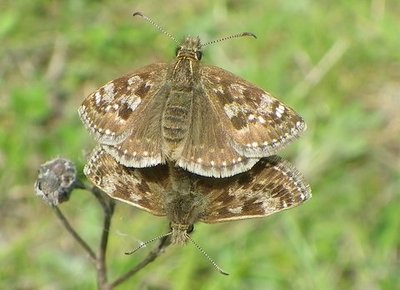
[200, 117]
[272, 185]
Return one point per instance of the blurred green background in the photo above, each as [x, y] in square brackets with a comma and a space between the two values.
[336, 62]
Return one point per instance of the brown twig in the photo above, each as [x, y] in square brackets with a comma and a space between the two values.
[108, 206]
[74, 234]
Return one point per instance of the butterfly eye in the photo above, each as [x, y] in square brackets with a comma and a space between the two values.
[199, 55]
[190, 229]
[177, 50]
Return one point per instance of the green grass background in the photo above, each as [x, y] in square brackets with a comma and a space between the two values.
[336, 62]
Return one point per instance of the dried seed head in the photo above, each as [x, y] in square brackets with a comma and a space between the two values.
[56, 180]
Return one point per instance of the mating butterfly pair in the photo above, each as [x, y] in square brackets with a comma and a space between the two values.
[192, 142]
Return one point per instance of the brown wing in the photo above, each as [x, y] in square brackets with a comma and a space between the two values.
[140, 187]
[257, 124]
[129, 106]
[272, 185]
[208, 150]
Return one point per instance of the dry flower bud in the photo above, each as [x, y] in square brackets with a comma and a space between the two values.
[56, 180]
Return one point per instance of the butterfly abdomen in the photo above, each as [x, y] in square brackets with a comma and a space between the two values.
[176, 118]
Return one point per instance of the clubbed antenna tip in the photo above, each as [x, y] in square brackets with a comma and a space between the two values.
[230, 37]
[137, 13]
[249, 34]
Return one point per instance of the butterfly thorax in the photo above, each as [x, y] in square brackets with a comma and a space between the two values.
[183, 77]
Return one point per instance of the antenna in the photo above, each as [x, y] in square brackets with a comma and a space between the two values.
[230, 37]
[207, 256]
[142, 245]
[155, 25]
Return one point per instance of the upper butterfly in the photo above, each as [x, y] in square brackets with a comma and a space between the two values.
[200, 117]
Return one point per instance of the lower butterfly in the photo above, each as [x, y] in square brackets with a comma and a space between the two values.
[272, 185]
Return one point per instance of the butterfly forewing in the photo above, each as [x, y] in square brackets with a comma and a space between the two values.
[140, 187]
[234, 123]
[125, 115]
[207, 149]
[272, 185]
[255, 123]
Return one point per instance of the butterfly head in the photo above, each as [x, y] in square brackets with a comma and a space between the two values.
[180, 233]
[190, 48]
